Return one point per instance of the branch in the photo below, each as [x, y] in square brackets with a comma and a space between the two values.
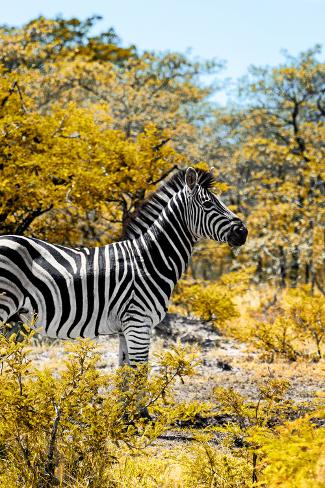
[60, 126]
[113, 200]
[50, 455]
[21, 98]
[163, 176]
[161, 144]
[6, 98]
[319, 286]
[165, 83]
[319, 106]
[15, 86]
[23, 226]
[71, 136]
[94, 92]
[299, 140]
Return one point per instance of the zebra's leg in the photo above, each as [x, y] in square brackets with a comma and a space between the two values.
[134, 351]
[137, 342]
[123, 352]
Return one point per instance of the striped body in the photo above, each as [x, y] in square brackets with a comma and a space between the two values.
[122, 287]
[73, 292]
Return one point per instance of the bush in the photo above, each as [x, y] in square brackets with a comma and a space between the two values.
[79, 426]
[64, 428]
[307, 313]
[212, 301]
[294, 455]
[292, 325]
[276, 338]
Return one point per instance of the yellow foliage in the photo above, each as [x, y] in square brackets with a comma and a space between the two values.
[60, 427]
[277, 337]
[289, 455]
[212, 301]
[68, 162]
[85, 128]
[288, 323]
[80, 426]
[307, 313]
[271, 154]
[294, 455]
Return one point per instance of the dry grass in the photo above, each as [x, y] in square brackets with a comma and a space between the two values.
[232, 363]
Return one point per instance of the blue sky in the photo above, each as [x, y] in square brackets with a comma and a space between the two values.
[243, 32]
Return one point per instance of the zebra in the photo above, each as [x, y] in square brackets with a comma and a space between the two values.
[121, 288]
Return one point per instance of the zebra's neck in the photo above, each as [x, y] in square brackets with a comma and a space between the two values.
[167, 245]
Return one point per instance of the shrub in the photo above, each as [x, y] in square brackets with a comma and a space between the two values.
[208, 466]
[212, 301]
[276, 338]
[292, 325]
[307, 312]
[64, 428]
[249, 418]
[294, 455]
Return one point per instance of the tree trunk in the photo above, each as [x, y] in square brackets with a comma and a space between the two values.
[283, 268]
[294, 269]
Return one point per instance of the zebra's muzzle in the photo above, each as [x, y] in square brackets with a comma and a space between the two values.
[237, 235]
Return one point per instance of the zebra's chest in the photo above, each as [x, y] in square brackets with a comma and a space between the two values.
[148, 301]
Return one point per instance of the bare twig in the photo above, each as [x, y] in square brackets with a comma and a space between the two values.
[14, 86]
[23, 226]
[50, 466]
[155, 182]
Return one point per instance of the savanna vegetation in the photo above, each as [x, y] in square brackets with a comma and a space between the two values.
[88, 129]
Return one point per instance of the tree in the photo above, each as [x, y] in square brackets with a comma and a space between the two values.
[276, 170]
[88, 128]
[67, 161]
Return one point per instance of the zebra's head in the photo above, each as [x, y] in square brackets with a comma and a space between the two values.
[208, 216]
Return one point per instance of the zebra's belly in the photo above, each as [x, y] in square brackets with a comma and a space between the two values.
[89, 329]
[86, 323]
[71, 314]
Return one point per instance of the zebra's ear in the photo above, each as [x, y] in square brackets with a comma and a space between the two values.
[191, 178]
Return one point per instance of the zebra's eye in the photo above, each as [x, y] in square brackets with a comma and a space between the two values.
[207, 205]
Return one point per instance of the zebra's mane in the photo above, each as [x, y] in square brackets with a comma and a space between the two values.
[154, 204]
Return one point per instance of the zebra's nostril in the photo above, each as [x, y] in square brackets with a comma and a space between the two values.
[236, 231]
[241, 230]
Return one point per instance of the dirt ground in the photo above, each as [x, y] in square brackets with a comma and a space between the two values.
[224, 362]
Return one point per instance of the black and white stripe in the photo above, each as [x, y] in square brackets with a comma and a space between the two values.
[123, 287]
